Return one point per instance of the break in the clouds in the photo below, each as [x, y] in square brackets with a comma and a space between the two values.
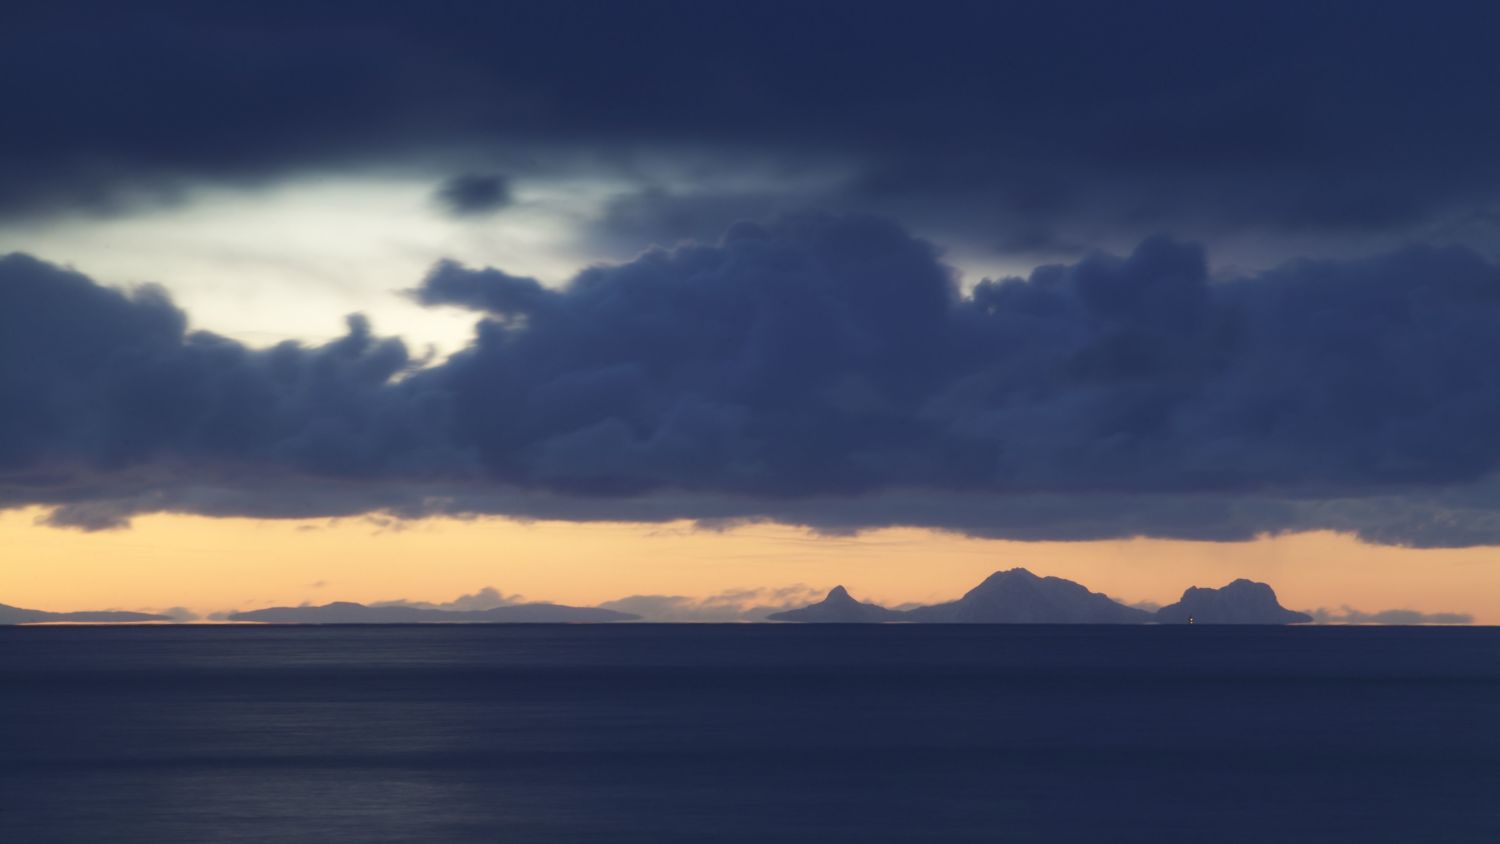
[817, 370]
[1032, 128]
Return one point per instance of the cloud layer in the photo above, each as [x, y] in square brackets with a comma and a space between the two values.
[1018, 127]
[734, 605]
[821, 370]
[1349, 615]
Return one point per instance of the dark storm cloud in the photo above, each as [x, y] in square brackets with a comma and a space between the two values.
[816, 370]
[488, 290]
[1030, 127]
[95, 378]
[829, 355]
[664, 218]
[474, 195]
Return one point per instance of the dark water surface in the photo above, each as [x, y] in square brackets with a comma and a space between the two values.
[749, 733]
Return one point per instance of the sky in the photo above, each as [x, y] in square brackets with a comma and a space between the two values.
[728, 303]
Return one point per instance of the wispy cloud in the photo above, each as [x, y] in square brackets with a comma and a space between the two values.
[729, 606]
[1349, 615]
[485, 599]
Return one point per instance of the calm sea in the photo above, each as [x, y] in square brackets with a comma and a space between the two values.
[646, 733]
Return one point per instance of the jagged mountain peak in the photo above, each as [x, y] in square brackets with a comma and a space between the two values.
[839, 608]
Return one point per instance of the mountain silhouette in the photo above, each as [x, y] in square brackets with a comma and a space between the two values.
[1241, 602]
[1005, 597]
[839, 608]
[17, 615]
[1020, 597]
[345, 612]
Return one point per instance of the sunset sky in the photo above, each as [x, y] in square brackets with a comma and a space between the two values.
[585, 302]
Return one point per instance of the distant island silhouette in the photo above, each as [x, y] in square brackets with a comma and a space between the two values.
[18, 615]
[1014, 596]
[1241, 602]
[344, 612]
[839, 608]
[1019, 597]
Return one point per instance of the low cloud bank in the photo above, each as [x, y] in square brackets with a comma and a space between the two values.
[818, 370]
[487, 598]
[729, 606]
[1349, 615]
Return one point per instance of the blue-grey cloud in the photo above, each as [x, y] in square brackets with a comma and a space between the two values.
[98, 378]
[489, 290]
[665, 218]
[474, 195]
[817, 370]
[1027, 126]
[835, 356]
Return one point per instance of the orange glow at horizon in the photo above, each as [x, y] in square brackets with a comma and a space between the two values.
[212, 565]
